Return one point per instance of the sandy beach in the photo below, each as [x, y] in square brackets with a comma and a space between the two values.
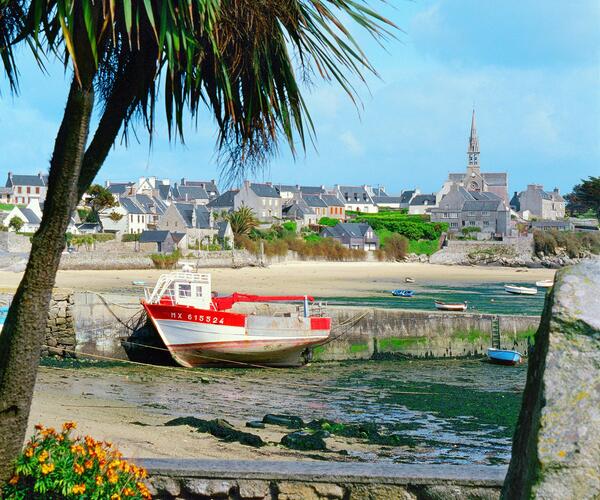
[324, 279]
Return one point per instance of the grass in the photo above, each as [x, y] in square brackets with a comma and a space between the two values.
[420, 247]
[399, 343]
[6, 206]
[471, 336]
[359, 348]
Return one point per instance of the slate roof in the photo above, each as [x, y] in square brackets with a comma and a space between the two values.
[130, 206]
[164, 190]
[226, 200]
[347, 229]
[209, 186]
[30, 215]
[423, 199]
[481, 201]
[355, 194]
[177, 237]
[153, 236]
[495, 178]
[119, 187]
[264, 190]
[406, 196]
[332, 200]
[25, 180]
[150, 204]
[387, 199]
[515, 202]
[222, 228]
[314, 201]
[312, 189]
[186, 210]
[379, 191]
[190, 193]
[298, 209]
[89, 226]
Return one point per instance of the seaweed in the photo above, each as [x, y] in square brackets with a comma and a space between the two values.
[221, 429]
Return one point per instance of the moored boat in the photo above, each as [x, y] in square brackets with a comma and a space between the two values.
[409, 280]
[402, 293]
[450, 306]
[200, 329]
[544, 283]
[504, 356]
[520, 290]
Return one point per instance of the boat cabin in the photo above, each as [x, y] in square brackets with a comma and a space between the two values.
[182, 288]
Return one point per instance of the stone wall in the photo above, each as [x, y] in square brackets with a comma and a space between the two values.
[263, 480]
[13, 242]
[60, 328]
[513, 252]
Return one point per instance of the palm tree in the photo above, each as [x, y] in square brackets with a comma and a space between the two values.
[236, 57]
[242, 221]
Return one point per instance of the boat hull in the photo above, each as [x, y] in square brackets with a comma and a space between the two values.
[520, 290]
[198, 337]
[450, 307]
[504, 356]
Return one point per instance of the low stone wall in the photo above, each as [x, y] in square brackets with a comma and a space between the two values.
[13, 242]
[514, 252]
[379, 333]
[262, 480]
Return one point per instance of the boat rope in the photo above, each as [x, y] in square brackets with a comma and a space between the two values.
[235, 378]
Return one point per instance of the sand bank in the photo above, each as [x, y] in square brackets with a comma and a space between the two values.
[324, 279]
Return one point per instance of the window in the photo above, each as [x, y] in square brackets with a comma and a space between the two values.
[28, 190]
[185, 290]
[486, 223]
[471, 223]
[454, 224]
[198, 291]
[264, 202]
[19, 189]
[270, 202]
[37, 190]
[485, 214]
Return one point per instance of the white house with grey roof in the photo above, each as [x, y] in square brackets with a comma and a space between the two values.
[20, 189]
[357, 236]
[422, 204]
[461, 209]
[357, 198]
[263, 199]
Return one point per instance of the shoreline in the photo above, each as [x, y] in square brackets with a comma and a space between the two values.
[323, 279]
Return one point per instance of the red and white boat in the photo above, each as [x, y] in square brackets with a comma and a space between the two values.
[200, 329]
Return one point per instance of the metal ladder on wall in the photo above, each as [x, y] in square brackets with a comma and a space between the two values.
[496, 332]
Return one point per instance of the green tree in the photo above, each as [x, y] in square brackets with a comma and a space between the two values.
[242, 221]
[100, 198]
[239, 58]
[585, 197]
[16, 223]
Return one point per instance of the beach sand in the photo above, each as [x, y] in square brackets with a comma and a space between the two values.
[322, 279]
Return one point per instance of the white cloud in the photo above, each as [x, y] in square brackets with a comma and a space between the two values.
[352, 144]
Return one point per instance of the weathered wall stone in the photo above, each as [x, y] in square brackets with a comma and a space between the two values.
[60, 328]
[556, 446]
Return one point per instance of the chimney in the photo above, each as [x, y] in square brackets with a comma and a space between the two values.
[183, 181]
[194, 220]
[247, 184]
[556, 191]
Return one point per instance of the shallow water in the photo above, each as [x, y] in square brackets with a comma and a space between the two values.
[481, 297]
[445, 411]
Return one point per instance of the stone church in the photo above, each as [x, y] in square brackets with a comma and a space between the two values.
[474, 179]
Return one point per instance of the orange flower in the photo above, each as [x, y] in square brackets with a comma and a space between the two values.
[29, 452]
[49, 432]
[77, 448]
[78, 468]
[67, 426]
[115, 497]
[43, 456]
[78, 489]
[60, 438]
[128, 492]
[89, 464]
[39, 427]
[14, 479]
[113, 477]
[47, 469]
[99, 480]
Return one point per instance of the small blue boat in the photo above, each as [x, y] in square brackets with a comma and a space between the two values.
[504, 356]
[402, 293]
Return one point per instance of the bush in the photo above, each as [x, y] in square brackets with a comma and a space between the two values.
[328, 221]
[574, 245]
[290, 226]
[57, 465]
[166, 260]
[414, 227]
[130, 237]
[102, 237]
[396, 247]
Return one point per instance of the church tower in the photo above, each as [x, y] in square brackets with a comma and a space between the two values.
[473, 151]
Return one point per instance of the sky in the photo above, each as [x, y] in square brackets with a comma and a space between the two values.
[530, 69]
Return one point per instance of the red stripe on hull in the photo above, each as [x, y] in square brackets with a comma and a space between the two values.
[194, 315]
[245, 343]
[320, 323]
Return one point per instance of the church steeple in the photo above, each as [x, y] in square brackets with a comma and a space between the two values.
[473, 151]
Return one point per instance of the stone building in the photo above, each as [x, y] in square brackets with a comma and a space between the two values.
[462, 209]
[535, 202]
[22, 189]
[351, 235]
[263, 199]
[473, 179]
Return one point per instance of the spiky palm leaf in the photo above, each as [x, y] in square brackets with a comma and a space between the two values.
[243, 221]
[239, 57]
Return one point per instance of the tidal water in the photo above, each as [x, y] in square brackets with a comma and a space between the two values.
[441, 411]
[481, 297]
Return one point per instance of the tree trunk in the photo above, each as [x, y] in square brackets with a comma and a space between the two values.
[24, 329]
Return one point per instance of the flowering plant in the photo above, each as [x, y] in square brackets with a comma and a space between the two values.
[57, 465]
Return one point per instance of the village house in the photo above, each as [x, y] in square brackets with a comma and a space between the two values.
[21, 189]
[30, 216]
[422, 204]
[209, 186]
[223, 203]
[196, 221]
[159, 241]
[263, 199]
[326, 205]
[535, 202]
[387, 201]
[356, 198]
[297, 210]
[473, 209]
[356, 236]
[287, 192]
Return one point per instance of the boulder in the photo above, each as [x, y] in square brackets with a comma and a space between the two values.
[556, 446]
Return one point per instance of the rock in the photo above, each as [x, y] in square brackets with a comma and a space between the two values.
[301, 440]
[289, 421]
[456, 492]
[296, 491]
[556, 450]
[381, 492]
[255, 424]
[164, 485]
[254, 490]
[212, 488]
[328, 490]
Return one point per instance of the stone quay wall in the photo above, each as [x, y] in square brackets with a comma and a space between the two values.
[264, 480]
[60, 328]
[13, 242]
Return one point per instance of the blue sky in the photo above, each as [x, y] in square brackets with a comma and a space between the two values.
[530, 68]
